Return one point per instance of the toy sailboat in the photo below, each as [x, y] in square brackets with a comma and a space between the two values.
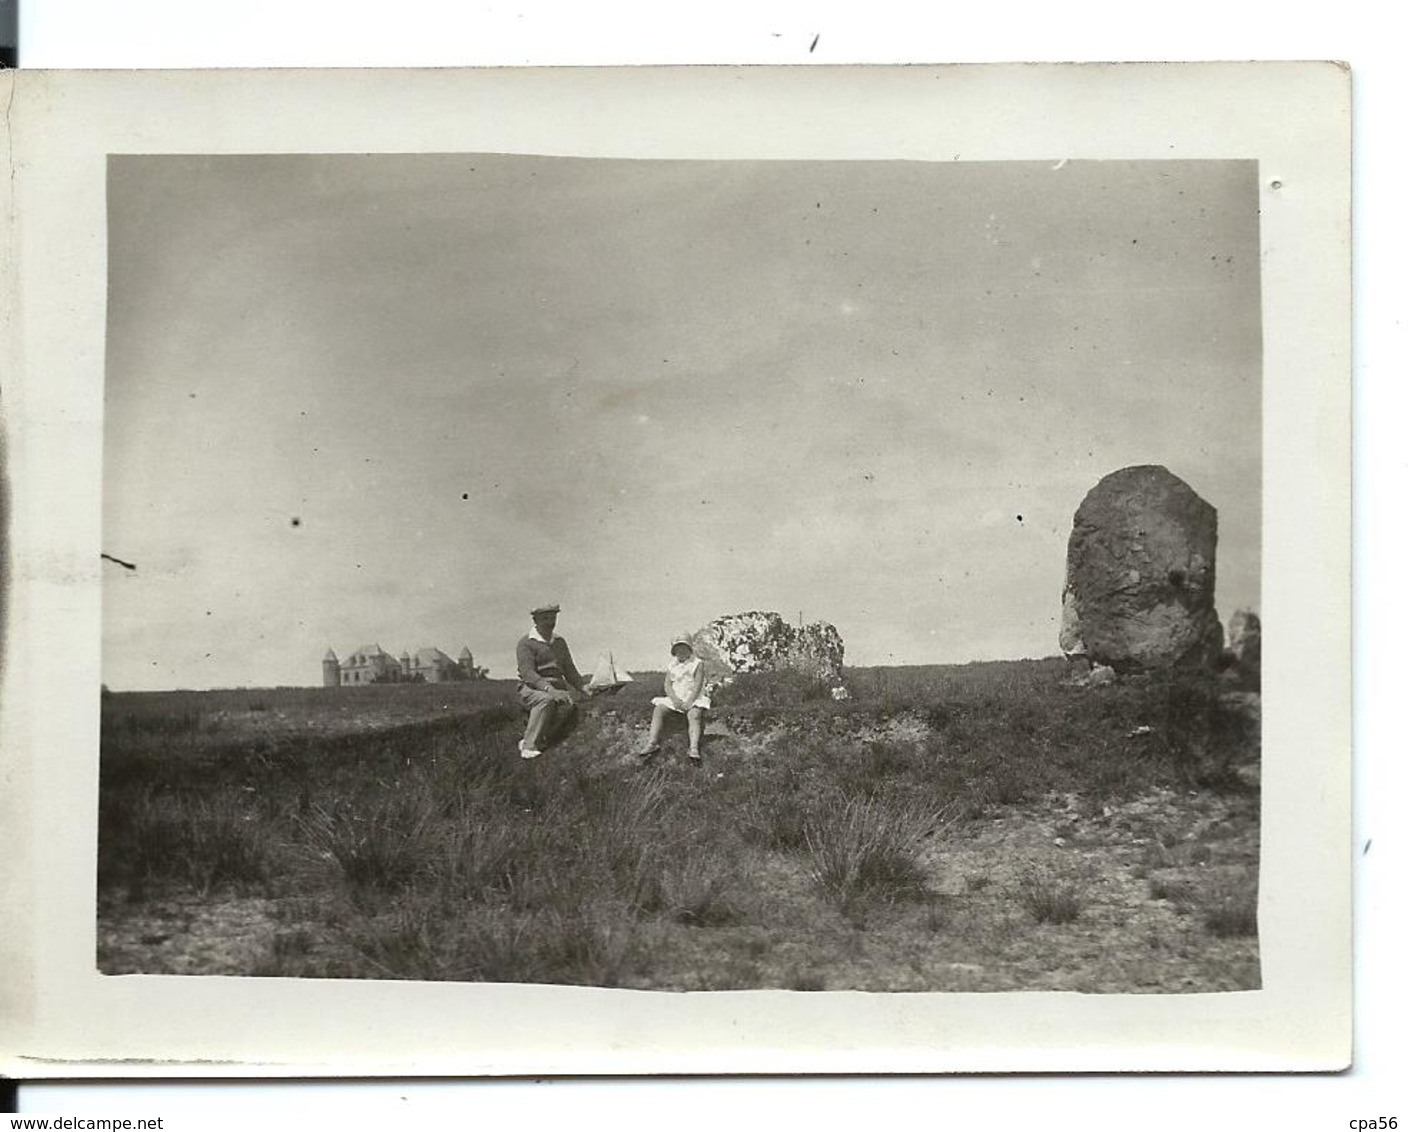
[607, 677]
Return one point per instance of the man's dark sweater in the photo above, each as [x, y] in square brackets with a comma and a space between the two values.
[546, 666]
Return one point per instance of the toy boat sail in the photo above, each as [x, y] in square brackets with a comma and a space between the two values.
[607, 677]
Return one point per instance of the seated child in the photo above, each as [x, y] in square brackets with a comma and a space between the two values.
[684, 695]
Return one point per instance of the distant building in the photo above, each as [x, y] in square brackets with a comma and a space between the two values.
[371, 664]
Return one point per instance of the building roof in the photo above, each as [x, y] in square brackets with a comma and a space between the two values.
[421, 658]
[431, 656]
[368, 650]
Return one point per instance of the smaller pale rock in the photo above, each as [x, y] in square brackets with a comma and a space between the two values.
[1100, 675]
[763, 642]
[1244, 644]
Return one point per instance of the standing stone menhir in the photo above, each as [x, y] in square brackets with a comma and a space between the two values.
[1140, 574]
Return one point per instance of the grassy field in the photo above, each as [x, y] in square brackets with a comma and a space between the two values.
[969, 828]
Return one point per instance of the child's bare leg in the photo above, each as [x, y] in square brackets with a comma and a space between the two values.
[657, 724]
[696, 729]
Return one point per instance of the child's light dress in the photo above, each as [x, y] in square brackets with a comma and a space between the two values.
[682, 675]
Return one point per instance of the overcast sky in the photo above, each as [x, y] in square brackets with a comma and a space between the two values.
[402, 399]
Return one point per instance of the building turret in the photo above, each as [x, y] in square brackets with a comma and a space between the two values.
[466, 662]
[330, 669]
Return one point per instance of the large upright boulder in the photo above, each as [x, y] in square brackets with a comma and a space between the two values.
[1140, 574]
[764, 642]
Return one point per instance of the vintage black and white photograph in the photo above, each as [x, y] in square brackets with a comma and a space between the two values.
[761, 573]
[683, 575]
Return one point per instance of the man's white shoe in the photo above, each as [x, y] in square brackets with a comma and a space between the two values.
[527, 752]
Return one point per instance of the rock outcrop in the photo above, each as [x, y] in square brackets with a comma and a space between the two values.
[764, 642]
[1140, 574]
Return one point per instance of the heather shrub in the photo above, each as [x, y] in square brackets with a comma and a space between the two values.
[865, 849]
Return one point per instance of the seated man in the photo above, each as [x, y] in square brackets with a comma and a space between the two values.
[545, 672]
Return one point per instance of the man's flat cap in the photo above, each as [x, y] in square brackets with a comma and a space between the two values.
[553, 608]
